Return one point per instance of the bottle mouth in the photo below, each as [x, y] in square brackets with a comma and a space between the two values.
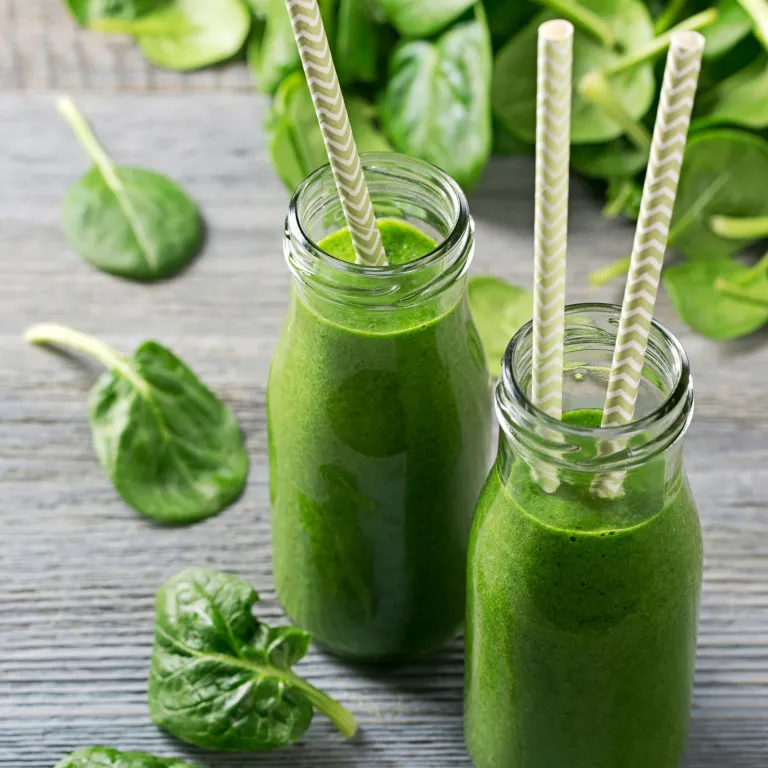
[663, 411]
[402, 188]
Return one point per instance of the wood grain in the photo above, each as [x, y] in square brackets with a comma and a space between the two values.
[78, 570]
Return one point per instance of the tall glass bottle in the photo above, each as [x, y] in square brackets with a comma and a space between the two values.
[379, 414]
[582, 610]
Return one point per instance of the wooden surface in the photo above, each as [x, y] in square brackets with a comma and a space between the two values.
[78, 569]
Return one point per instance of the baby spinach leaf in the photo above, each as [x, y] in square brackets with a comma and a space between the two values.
[436, 104]
[356, 48]
[741, 99]
[86, 11]
[171, 448]
[692, 287]
[295, 143]
[725, 172]
[499, 309]
[219, 678]
[617, 158]
[129, 222]
[104, 757]
[506, 18]
[425, 17]
[187, 34]
[514, 74]
[732, 25]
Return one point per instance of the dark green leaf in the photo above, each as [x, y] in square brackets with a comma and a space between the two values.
[694, 293]
[422, 18]
[219, 678]
[725, 172]
[514, 75]
[618, 158]
[504, 143]
[86, 11]
[127, 221]
[295, 142]
[507, 17]
[356, 49]
[104, 757]
[188, 34]
[273, 54]
[171, 448]
[732, 25]
[499, 309]
[741, 99]
[436, 105]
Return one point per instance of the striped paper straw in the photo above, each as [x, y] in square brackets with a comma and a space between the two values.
[553, 139]
[331, 112]
[667, 149]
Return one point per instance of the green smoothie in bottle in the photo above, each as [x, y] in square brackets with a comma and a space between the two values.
[379, 418]
[582, 611]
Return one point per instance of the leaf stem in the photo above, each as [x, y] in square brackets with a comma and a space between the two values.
[758, 12]
[337, 713]
[660, 44]
[604, 275]
[53, 333]
[737, 291]
[67, 109]
[614, 208]
[582, 17]
[669, 16]
[739, 227]
[594, 87]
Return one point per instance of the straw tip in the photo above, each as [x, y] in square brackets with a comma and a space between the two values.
[688, 40]
[556, 30]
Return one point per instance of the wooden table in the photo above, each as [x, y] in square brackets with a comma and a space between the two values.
[78, 569]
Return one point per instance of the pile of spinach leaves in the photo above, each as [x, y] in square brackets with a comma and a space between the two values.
[450, 81]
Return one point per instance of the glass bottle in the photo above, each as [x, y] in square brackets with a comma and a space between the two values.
[582, 610]
[379, 421]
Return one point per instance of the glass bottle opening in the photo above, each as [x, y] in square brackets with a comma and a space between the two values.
[401, 188]
[664, 406]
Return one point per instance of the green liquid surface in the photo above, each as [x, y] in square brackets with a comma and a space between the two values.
[581, 620]
[378, 448]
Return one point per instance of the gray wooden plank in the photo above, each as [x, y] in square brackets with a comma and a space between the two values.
[78, 570]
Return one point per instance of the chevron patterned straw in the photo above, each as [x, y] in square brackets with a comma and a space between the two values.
[553, 134]
[667, 148]
[337, 133]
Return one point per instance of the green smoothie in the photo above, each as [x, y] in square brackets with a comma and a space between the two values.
[581, 619]
[379, 429]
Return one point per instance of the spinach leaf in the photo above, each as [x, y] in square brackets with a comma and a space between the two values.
[617, 158]
[104, 757]
[692, 287]
[356, 48]
[504, 143]
[741, 99]
[171, 448]
[295, 143]
[187, 34]
[87, 10]
[499, 309]
[425, 17]
[219, 678]
[725, 172]
[129, 222]
[506, 18]
[436, 104]
[514, 74]
[732, 25]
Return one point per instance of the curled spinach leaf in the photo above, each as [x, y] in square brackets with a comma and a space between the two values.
[295, 142]
[187, 34]
[171, 448]
[220, 679]
[436, 104]
[129, 222]
[514, 74]
[104, 757]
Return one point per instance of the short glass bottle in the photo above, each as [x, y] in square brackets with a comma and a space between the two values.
[582, 610]
[379, 421]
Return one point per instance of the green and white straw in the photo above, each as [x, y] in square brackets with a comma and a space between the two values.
[553, 134]
[667, 149]
[331, 112]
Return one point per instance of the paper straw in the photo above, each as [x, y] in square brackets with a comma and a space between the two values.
[553, 139]
[331, 112]
[667, 149]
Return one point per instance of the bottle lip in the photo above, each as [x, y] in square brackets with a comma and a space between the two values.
[522, 420]
[380, 166]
